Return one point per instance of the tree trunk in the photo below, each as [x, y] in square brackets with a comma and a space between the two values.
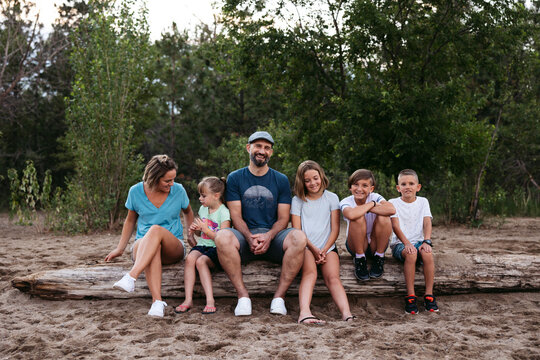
[455, 274]
[473, 211]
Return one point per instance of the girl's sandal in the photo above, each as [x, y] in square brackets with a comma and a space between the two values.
[209, 310]
[350, 318]
[312, 320]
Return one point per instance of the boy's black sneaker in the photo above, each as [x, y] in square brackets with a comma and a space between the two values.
[410, 305]
[377, 267]
[360, 269]
[430, 304]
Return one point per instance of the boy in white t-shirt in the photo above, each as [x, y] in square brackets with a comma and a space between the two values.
[368, 224]
[412, 236]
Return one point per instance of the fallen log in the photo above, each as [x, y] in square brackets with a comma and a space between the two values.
[455, 273]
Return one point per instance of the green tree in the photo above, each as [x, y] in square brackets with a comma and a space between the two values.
[387, 85]
[31, 97]
[110, 59]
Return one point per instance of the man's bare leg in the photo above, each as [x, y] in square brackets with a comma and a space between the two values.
[229, 257]
[294, 246]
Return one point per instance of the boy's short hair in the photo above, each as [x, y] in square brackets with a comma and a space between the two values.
[407, 172]
[361, 174]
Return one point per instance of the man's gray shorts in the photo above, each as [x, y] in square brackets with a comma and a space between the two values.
[275, 251]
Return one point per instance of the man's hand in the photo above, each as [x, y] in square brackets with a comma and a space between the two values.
[261, 242]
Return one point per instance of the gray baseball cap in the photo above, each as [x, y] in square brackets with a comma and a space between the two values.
[261, 135]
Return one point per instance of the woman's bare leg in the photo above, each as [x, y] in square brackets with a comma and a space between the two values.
[157, 247]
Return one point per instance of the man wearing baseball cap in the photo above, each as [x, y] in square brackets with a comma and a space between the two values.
[259, 200]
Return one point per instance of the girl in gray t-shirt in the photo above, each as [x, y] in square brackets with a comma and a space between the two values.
[315, 210]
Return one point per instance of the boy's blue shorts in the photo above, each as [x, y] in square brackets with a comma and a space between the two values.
[398, 249]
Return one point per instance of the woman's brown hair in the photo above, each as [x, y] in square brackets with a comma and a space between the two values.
[156, 168]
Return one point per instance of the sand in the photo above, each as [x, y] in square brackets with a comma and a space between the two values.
[475, 326]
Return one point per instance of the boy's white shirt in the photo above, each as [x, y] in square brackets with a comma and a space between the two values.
[411, 219]
[370, 217]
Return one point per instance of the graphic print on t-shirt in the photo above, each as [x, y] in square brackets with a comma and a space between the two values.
[257, 197]
[212, 225]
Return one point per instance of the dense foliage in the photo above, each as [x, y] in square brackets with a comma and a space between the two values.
[448, 88]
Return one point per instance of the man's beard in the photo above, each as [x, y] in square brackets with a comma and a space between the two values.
[258, 163]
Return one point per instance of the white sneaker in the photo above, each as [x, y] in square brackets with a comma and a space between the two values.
[243, 308]
[278, 306]
[157, 309]
[126, 283]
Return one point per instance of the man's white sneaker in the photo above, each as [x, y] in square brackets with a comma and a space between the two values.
[126, 283]
[243, 308]
[278, 306]
[157, 309]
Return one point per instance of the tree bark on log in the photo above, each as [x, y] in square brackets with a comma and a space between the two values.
[455, 274]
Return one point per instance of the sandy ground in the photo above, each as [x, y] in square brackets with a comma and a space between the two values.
[486, 326]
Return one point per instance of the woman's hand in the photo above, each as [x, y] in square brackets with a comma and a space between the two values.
[194, 226]
[191, 239]
[113, 254]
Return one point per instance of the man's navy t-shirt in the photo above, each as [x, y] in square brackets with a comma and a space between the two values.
[260, 195]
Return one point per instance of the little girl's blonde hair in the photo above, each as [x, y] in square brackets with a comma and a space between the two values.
[214, 184]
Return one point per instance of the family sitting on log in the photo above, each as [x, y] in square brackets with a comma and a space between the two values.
[259, 206]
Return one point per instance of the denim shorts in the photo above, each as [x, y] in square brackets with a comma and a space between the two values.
[398, 249]
[209, 251]
[275, 251]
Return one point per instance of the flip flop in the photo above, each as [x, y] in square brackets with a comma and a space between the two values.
[316, 322]
[351, 318]
[180, 309]
[209, 310]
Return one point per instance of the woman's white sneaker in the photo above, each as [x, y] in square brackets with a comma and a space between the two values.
[126, 283]
[157, 309]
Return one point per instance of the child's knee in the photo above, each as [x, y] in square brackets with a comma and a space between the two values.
[191, 259]
[309, 273]
[358, 223]
[332, 280]
[410, 257]
[383, 222]
[202, 260]
[427, 257]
